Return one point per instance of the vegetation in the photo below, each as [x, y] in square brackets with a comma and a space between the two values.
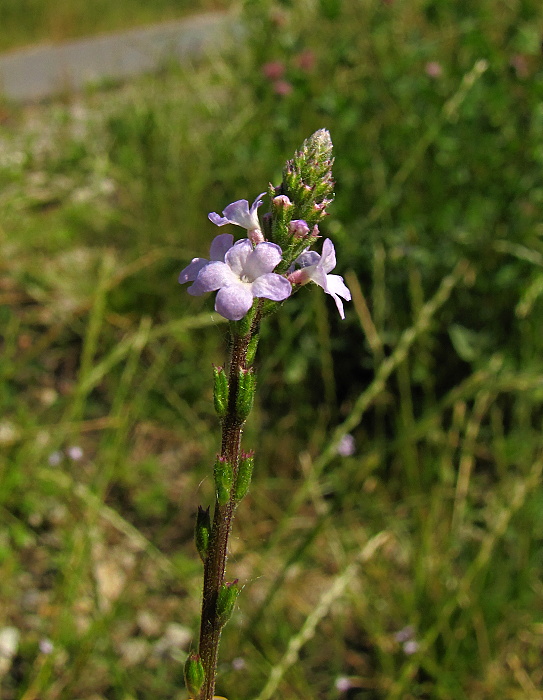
[408, 569]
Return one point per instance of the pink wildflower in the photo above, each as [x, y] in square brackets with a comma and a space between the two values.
[433, 69]
[282, 87]
[273, 70]
[306, 60]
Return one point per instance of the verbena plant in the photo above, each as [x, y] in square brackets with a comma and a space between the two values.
[252, 277]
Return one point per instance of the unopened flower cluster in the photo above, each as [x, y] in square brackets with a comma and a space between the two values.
[275, 257]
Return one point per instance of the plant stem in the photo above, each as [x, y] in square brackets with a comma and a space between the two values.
[215, 563]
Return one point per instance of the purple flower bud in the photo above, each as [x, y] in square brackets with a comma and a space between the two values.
[298, 228]
[282, 201]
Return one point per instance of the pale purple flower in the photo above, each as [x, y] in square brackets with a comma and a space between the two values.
[410, 647]
[346, 446]
[406, 633]
[219, 246]
[240, 214]
[316, 268]
[246, 273]
[55, 458]
[75, 453]
[46, 646]
[343, 684]
[239, 663]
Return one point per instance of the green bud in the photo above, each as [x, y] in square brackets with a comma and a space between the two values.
[224, 475]
[194, 675]
[226, 600]
[251, 349]
[220, 391]
[282, 210]
[202, 532]
[246, 393]
[245, 472]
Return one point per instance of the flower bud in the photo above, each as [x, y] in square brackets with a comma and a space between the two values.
[282, 202]
[202, 532]
[194, 675]
[220, 391]
[246, 393]
[298, 228]
[224, 475]
[245, 473]
[282, 210]
[226, 600]
[251, 349]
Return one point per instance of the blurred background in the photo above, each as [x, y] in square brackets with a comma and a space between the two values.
[391, 541]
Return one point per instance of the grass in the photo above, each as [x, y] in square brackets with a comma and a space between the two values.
[37, 21]
[434, 524]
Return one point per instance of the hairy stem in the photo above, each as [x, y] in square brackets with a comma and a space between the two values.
[215, 563]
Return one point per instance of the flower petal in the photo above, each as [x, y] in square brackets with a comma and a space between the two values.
[336, 285]
[190, 272]
[308, 258]
[318, 276]
[237, 256]
[218, 220]
[263, 259]
[220, 245]
[257, 202]
[234, 301]
[339, 304]
[328, 257]
[213, 276]
[238, 213]
[271, 286]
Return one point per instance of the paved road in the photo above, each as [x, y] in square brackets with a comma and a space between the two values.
[47, 70]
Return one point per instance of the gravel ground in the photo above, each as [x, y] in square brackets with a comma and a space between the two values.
[44, 71]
